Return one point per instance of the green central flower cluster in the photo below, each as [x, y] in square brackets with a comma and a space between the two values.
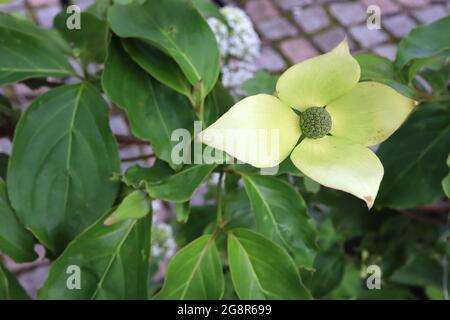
[315, 122]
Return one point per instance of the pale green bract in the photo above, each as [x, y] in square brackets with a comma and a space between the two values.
[362, 114]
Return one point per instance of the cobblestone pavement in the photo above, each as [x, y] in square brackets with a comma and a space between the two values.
[295, 30]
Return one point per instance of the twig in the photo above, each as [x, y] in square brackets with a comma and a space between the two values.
[140, 157]
[422, 218]
[124, 139]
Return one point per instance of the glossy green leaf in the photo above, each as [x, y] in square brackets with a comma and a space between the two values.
[153, 109]
[414, 159]
[260, 269]
[15, 240]
[10, 289]
[281, 215]
[163, 183]
[176, 28]
[329, 269]
[158, 65]
[182, 210]
[217, 103]
[208, 9]
[90, 41]
[28, 53]
[420, 270]
[424, 42]
[380, 69]
[63, 157]
[262, 82]
[446, 181]
[136, 205]
[113, 263]
[194, 273]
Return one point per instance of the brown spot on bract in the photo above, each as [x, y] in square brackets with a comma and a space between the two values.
[369, 201]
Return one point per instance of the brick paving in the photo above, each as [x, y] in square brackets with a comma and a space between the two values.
[311, 27]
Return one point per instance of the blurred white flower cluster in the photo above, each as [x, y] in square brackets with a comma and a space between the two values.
[239, 47]
[163, 241]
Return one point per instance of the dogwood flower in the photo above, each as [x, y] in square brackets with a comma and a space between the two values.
[321, 101]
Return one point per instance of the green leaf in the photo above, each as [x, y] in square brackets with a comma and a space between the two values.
[15, 241]
[424, 42]
[380, 69]
[8, 117]
[329, 269]
[446, 181]
[136, 205]
[10, 289]
[281, 215]
[154, 110]
[260, 269]
[194, 273]
[182, 210]
[158, 65]
[29, 52]
[113, 262]
[217, 103]
[90, 41]
[420, 271]
[176, 28]
[208, 9]
[414, 159]
[262, 82]
[63, 157]
[163, 183]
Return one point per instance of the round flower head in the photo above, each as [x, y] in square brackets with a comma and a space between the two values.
[337, 116]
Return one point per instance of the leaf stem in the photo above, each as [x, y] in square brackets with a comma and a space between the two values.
[220, 221]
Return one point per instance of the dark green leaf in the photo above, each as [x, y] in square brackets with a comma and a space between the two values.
[414, 159]
[10, 289]
[29, 52]
[62, 159]
[90, 41]
[15, 241]
[176, 28]
[281, 215]
[208, 9]
[217, 103]
[329, 269]
[194, 273]
[424, 42]
[154, 110]
[163, 183]
[158, 65]
[261, 269]
[113, 262]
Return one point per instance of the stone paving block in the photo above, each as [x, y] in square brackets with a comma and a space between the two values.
[386, 6]
[297, 50]
[430, 14]
[386, 50]
[311, 19]
[287, 5]
[260, 9]
[329, 39]
[270, 60]
[413, 3]
[276, 28]
[348, 13]
[368, 38]
[399, 25]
